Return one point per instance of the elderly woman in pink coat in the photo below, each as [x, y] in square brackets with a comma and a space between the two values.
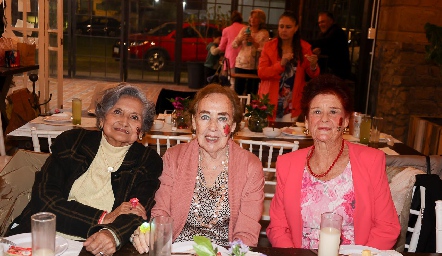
[331, 176]
[210, 186]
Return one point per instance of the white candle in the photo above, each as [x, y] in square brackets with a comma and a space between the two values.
[43, 252]
[329, 240]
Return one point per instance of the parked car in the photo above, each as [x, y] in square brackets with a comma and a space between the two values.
[157, 46]
[99, 26]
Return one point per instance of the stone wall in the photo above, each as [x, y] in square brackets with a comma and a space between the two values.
[403, 82]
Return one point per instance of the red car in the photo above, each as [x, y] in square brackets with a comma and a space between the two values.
[157, 46]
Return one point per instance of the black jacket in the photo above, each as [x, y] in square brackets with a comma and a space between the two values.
[72, 154]
[334, 45]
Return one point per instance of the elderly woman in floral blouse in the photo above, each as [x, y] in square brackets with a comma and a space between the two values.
[210, 186]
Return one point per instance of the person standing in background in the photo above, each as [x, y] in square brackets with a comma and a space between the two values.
[332, 47]
[284, 64]
[251, 40]
[228, 35]
[213, 56]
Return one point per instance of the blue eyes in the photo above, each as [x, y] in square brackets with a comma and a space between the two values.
[220, 119]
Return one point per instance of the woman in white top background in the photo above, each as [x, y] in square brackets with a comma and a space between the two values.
[251, 40]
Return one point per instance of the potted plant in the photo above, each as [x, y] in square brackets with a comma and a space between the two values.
[258, 112]
[434, 49]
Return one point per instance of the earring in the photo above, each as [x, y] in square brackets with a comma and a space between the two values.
[100, 127]
[140, 136]
[306, 131]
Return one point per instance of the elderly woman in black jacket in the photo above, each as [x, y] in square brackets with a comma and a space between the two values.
[91, 176]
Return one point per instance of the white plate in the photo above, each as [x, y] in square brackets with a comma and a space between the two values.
[290, 132]
[188, 247]
[57, 119]
[355, 250]
[25, 240]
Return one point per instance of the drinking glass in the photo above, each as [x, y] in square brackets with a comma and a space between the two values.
[364, 132]
[376, 126]
[161, 229]
[330, 234]
[43, 234]
[76, 111]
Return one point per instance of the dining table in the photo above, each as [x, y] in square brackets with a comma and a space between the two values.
[128, 250]
[398, 148]
[89, 122]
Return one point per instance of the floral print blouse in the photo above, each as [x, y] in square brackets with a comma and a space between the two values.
[248, 55]
[336, 195]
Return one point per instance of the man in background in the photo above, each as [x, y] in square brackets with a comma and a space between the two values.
[331, 46]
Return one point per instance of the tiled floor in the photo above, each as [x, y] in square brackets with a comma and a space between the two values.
[84, 89]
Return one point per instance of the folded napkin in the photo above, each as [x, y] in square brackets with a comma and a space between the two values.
[74, 248]
[391, 253]
[63, 114]
[389, 151]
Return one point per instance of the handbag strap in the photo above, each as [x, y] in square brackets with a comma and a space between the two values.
[428, 164]
[226, 61]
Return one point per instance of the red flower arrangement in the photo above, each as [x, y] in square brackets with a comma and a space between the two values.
[260, 106]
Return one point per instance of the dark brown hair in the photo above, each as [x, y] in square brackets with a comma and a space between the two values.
[296, 40]
[327, 84]
[216, 88]
[236, 17]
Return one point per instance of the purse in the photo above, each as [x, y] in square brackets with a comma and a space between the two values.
[219, 78]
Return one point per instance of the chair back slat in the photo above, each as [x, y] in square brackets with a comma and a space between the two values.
[36, 134]
[170, 141]
[268, 150]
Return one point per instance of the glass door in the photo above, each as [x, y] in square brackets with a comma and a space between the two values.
[40, 22]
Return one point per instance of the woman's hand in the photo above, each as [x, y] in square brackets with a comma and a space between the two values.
[286, 57]
[101, 243]
[140, 240]
[125, 208]
[313, 59]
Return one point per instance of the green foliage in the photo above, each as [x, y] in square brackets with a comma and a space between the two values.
[203, 246]
[434, 49]
[260, 106]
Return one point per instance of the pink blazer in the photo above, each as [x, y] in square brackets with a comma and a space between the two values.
[376, 222]
[227, 38]
[246, 189]
[270, 70]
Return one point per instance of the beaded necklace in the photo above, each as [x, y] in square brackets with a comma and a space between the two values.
[221, 192]
[329, 169]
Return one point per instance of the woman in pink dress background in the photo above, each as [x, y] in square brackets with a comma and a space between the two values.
[227, 38]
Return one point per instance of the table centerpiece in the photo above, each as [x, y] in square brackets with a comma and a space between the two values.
[258, 112]
[180, 116]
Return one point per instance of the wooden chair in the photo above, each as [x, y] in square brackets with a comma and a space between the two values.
[245, 100]
[36, 134]
[4, 159]
[16, 184]
[165, 140]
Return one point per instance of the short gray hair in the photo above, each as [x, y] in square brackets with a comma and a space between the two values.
[112, 95]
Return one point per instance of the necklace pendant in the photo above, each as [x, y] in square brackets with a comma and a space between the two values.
[110, 169]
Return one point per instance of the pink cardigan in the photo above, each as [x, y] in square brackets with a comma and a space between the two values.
[376, 223]
[227, 38]
[270, 70]
[246, 189]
